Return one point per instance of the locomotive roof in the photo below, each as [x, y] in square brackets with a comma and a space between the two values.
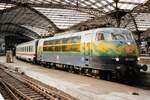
[73, 33]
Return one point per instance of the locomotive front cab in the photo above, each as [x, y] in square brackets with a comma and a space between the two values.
[115, 49]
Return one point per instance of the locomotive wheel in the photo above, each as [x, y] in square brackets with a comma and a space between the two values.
[76, 70]
[81, 71]
[119, 76]
[71, 69]
[106, 75]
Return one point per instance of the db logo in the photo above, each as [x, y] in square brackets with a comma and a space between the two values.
[129, 50]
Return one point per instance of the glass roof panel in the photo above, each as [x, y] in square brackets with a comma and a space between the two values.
[126, 6]
[100, 5]
[110, 7]
[66, 13]
[4, 6]
[104, 2]
[93, 1]
[64, 18]
[94, 6]
[134, 1]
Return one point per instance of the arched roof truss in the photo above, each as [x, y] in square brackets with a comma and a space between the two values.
[17, 30]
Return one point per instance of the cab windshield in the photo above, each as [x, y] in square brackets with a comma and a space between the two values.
[122, 35]
[119, 35]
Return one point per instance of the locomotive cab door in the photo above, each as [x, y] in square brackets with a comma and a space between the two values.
[87, 49]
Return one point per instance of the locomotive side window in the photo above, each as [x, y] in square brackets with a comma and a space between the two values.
[99, 36]
[57, 45]
[63, 44]
[75, 44]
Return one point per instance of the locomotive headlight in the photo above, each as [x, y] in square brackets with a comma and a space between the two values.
[117, 59]
[129, 43]
[118, 67]
[138, 58]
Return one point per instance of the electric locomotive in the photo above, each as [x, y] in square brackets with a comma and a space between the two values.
[102, 50]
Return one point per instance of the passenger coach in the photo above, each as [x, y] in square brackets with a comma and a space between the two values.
[27, 51]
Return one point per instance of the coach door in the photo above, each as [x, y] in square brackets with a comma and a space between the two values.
[87, 49]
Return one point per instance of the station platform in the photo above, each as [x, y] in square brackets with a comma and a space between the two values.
[82, 87]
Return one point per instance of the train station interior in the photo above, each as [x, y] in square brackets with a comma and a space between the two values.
[74, 49]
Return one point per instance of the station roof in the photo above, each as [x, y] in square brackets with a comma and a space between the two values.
[16, 29]
[56, 15]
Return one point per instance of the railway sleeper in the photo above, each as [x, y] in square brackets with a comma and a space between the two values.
[28, 84]
[40, 91]
[29, 92]
[10, 93]
[50, 92]
[36, 96]
[17, 92]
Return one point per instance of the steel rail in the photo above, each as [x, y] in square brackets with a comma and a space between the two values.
[12, 95]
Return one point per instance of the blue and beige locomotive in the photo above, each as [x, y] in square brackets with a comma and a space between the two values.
[105, 51]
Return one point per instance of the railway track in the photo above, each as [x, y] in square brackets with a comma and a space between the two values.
[6, 92]
[15, 87]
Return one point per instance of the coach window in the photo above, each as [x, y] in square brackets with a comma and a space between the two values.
[25, 49]
[99, 36]
[29, 48]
